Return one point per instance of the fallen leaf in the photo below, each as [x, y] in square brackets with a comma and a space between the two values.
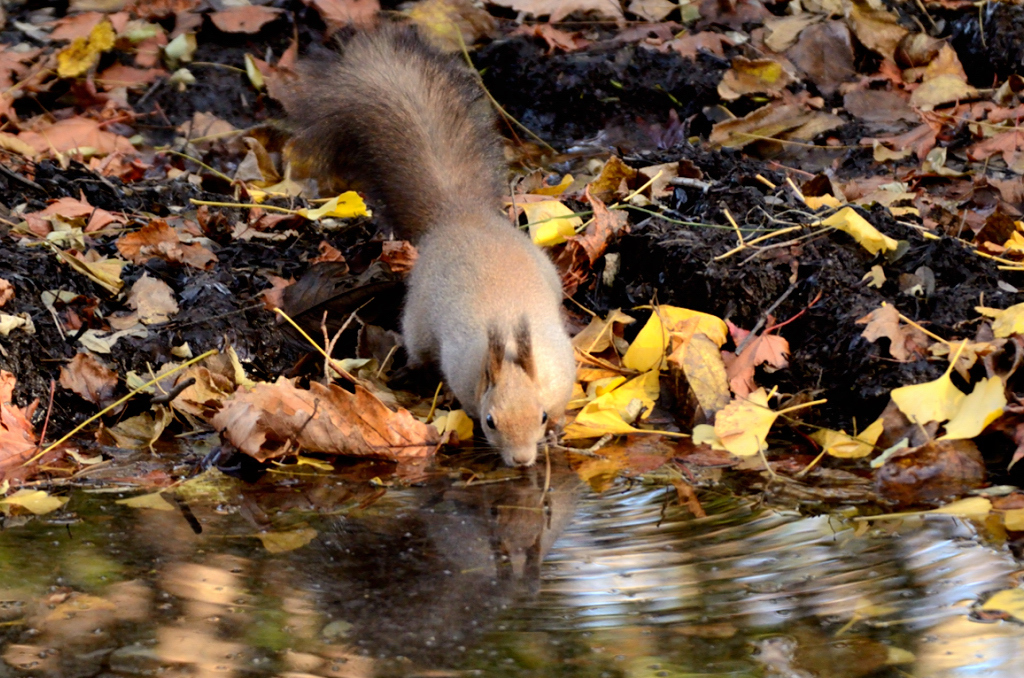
[6, 291]
[597, 336]
[616, 410]
[399, 256]
[281, 542]
[345, 206]
[76, 135]
[104, 271]
[849, 221]
[243, 18]
[905, 341]
[777, 120]
[120, 75]
[158, 240]
[1008, 321]
[980, 408]
[705, 373]
[770, 349]
[1010, 601]
[153, 299]
[937, 400]
[338, 14]
[147, 501]
[455, 423]
[557, 10]
[550, 222]
[754, 76]
[743, 425]
[268, 420]
[782, 32]
[843, 445]
[556, 40]
[90, 379]
[141, 431]
[613, 181]
[35, 501]
[17, 435]
[670, 325]
[451, 24]
[84, 53]
[877, 29]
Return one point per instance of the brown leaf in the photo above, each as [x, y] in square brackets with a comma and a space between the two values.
[450, 24]
[877, 29]
[692, 44]
[905, 342]
[776, 120]
[75, 133]
[76, 26]
[17, 436]
[120, 75]
[271, 420]
[613, 181]
[754, 76]
[399, 255]
[557, 10]
[69, 209]
[767, 348]
[873, 105]
[153, 299]
[338, 14]
[6, 291]
[89, 378]
[158, 240]
[555, 38]
[831, 38]
[933, 473]
[705, 372]
[243, 18]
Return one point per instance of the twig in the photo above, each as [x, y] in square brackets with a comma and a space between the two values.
[49, 409]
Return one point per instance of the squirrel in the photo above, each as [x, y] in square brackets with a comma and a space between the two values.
[409, 126]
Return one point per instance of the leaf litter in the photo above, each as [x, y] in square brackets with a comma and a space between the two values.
[143, 222]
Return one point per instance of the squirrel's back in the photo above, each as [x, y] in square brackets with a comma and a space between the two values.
[403, 122]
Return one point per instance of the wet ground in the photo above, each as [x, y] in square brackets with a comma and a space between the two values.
[307, 575]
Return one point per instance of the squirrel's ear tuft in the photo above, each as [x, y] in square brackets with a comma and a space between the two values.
[495, 355]
[524, 348]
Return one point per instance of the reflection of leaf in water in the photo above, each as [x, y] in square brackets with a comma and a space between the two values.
[36, 501]
[148, 501]
[1010, 601]
[279, 542]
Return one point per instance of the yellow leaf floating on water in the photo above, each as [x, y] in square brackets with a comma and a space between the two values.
[84, 53]
[280, 542]
[148, 501]
[971, 507]
[615, 411]
[345, 206]
[979, 409]
[36, 501]
[1010, 601]
[551, 222]
[1006, 321]
[841, 444]
[870, 238]
[1014, 520]
[704, 434]
[743, 424]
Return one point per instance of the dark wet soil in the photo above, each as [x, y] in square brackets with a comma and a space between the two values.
[620, 97]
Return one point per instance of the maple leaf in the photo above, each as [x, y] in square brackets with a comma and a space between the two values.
[765, 349]
[905, 342]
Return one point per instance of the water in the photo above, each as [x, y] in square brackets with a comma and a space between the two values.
[490, 579]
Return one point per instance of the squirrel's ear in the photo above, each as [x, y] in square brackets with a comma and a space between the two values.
[495, 356]
[524, 348]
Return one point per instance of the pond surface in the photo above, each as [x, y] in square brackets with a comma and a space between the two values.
[311, 575]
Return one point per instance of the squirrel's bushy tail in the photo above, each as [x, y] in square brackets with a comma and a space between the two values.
[399, 120]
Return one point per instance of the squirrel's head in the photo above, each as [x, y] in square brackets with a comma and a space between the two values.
[511, 413]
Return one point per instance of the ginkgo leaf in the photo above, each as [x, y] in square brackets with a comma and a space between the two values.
[148, 501]
[457, 422]
[615, 411]
[550, 222]
[743, 424]
[1010, 601]
[647, 351]
[280, 542]
[971, 507]
[104, 271]
[345, 206]
[937, 400]
[1006, 321]
[704, 434]
[648, 348]
[36, 501]
[979, 409]
[870, 238]
[1014, 520]
[845, 446]
[84, 53]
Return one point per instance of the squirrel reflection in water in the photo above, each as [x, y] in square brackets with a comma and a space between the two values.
[428, 579]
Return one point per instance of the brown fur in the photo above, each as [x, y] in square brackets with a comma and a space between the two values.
[411, 127]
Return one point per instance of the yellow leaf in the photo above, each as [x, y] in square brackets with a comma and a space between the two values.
[318, 464]
[558, 189]
[103, 271]
[684, 323]
[843, 445]
[279, 542]
[253, 72]
[10, 142]
[345, 206]
[1007, 321]
[148, 501]
[935, 400]
[979, 409]
[814, 202]
[744, 423]
[704, 434]
[36, 501]
[597, 336]
[705, 372]
[1010, 601]
[648, 349]
[849, 221]
[550, 222]
[1014, 520]
[972, 507]
[457, 422]
[614, 411]
[84, 53]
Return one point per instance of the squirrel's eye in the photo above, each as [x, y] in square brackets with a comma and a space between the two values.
[544, 418]
[490, 421]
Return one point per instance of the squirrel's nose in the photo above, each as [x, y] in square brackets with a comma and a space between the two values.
[524, 456]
